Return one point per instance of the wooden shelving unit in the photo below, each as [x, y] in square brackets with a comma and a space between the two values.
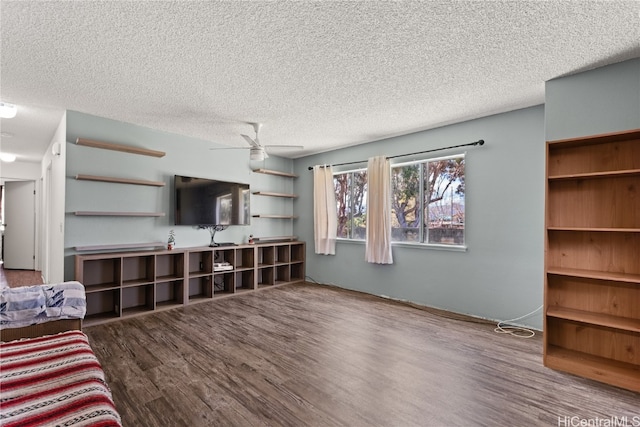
[119, 147]
[120, 180]
[275, 172]
[592, 264]
[272, 194]
[125, 284]
[107, 213]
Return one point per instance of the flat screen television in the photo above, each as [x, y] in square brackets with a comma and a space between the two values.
[209, 202]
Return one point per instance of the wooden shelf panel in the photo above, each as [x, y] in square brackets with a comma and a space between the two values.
[597, 139]
[89, 289]
[273, 194]
[588, 175]
[599, 275]
[119, 246]
[276, 239]
[277, 173]
[119, 147]
[116, 180]
[620, 374]
[596, 229]
[105, 213]
[607, 320]
[275, 216]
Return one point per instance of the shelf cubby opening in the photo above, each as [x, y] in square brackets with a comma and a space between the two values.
[245, 280]
[282, 254]
[578, 203]
[200, 288]
[599, 297]
[265, 277]
[102, 272]
[594, 251]
[137, 299]
[103, 305]
[245, 258]
[297, 272]
[598, 156]
[137, 270]
[170, 293]
[602, 341]
[297, 253]
[223, 283]
[200, 262]
[266, 255]
[282, 274]
[170, 266]
[224, 255]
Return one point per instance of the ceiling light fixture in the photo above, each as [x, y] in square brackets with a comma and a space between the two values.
[256, 153]
[8, 111]
[7, 157]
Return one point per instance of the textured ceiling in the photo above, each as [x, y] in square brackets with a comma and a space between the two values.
[320, 74]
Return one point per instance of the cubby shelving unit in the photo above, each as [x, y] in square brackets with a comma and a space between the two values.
[592, 258]
[125, 284]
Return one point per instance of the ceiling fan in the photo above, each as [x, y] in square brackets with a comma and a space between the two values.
[256, 149]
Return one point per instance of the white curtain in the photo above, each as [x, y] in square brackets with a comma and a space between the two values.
[379, 211]
[325, 221]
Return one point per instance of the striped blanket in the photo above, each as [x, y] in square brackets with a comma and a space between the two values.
[54, 380]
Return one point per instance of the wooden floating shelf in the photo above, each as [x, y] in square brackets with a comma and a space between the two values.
[277, 173]
[275, 216]
[276, 239]
[119, 246]
[119, 180]
[102, 213]
[270, 193]
[118, 147]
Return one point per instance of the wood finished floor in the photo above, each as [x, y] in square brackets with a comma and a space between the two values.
[313, 355]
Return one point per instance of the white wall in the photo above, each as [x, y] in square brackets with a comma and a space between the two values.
[52, 201]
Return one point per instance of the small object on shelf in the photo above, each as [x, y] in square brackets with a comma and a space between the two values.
[172, 240]
[251, 241]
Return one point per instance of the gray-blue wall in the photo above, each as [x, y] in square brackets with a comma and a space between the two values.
[599, 101]
[500, 276]
[184, 156]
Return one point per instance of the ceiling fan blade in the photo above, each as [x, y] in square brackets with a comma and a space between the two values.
[283, 146]
[251, 141]
[230, 148]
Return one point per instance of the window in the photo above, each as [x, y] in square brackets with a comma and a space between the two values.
[428, 202]
[351, 204]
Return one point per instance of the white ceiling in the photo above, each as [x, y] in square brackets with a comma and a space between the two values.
[317, 73]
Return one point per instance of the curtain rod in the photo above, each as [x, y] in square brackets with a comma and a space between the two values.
[478, 142]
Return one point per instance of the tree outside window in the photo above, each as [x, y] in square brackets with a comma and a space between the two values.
[351, 198]
[427, 202]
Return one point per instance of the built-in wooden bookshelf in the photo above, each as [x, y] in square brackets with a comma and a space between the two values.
[592, 258]
[125, 284]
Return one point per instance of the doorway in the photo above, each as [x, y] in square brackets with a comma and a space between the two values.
[19, 235]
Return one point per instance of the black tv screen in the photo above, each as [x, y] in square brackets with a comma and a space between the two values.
[201, 201]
